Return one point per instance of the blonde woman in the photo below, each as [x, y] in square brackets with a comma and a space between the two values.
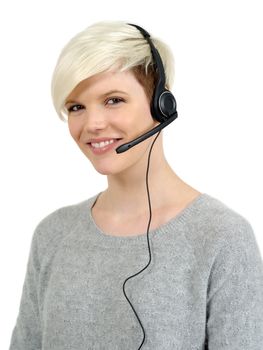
[150, 262]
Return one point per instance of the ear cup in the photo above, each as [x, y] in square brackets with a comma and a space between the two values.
[167, 104]
[163, 105]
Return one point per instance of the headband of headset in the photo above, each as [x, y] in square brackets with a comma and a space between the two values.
[163, 104]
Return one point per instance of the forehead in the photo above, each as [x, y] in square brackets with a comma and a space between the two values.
[104, 82]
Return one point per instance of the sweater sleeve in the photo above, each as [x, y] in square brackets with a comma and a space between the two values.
[235, 293]
[27, 331]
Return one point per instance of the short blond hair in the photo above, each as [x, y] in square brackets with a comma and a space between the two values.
[99, 48]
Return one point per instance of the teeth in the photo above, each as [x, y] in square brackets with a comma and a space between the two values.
[102, 144]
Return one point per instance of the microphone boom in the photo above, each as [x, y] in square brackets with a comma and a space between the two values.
[128, 145]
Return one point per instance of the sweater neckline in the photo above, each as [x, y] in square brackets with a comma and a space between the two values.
[179, 219]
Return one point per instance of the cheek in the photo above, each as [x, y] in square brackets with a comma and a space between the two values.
[140, 122]
[73, 130]
[144, 114]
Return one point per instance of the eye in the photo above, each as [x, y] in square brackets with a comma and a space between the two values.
[75, 108]
[114, 100]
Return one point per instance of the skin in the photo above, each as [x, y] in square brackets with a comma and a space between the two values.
[125, 199]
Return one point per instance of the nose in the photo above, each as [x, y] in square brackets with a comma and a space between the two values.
[94, 121]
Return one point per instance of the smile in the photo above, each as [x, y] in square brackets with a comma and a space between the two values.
[102, 144]
[105, 146]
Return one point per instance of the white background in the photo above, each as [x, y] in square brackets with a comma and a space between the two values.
[215, 145]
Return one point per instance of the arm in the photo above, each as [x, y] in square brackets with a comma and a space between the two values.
[235, 293]
[27, 331]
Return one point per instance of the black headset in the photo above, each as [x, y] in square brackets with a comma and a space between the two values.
[163, 104]
[163, 109]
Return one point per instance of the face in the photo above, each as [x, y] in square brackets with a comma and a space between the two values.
[106, 111]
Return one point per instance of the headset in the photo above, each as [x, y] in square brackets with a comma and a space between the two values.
[163, 109]
[163, 104]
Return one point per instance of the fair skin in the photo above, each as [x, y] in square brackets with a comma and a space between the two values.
[122, 209]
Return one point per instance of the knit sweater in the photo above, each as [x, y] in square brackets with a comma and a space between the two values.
[202, 290]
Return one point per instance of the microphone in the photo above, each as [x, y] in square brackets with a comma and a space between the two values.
[126, 146]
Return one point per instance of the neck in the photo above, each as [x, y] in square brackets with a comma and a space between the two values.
[127, 193]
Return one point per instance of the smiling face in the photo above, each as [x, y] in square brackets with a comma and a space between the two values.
[111, 107]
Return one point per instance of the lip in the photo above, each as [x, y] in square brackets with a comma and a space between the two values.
[101, 139]
[107, 148]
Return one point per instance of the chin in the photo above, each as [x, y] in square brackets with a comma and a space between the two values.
[105, 169]
[109, 169]
[117, 165]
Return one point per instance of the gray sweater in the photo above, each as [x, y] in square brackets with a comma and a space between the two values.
[202, 290]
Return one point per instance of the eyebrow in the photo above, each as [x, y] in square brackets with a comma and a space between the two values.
[102, 96]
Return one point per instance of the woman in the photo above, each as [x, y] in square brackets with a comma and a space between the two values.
[95, 278]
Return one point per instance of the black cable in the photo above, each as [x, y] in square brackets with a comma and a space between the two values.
[150, 209]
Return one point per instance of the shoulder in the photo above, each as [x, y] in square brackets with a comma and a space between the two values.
[58, 224]
[219, 220]
[215, 228]
[221, 239]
